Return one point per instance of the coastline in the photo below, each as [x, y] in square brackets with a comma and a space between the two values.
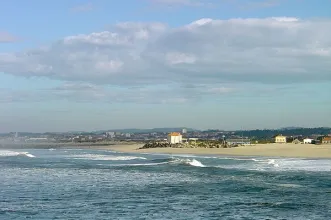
[260, 150]
[271, 150]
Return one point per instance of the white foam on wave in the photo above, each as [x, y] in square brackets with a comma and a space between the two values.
[289, 185]
[28, 155]
[292, 164]
[191, 162]
[317, 165]
[281, 164]
[105, 157]
[8, 153]
[196, 163]
[273, 162]
[236, 158]
[194, 156]
[174, 161]
[178, 161]
[136, 164]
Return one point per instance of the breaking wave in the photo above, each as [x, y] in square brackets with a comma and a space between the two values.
[177, 161]
[171, 161]
[273, 163]
[190, 162]
[282, 164]
[105, 157]
[168, 161]
[8, 153]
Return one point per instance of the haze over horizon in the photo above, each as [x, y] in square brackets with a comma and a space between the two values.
[99, 65]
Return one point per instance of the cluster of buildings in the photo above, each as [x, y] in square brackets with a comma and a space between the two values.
[307, 136]
[308, 140]
[176, 137]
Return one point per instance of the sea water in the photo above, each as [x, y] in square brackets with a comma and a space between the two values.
[100, 184]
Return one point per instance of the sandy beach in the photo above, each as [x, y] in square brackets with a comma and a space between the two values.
[272, 150]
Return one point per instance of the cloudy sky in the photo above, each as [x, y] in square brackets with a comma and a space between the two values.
[104, 64]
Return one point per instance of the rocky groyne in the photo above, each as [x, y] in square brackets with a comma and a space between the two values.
[201, 144]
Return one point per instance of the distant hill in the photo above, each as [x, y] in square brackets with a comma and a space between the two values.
[127, 130]
[136, 130]
[290, 128]
[268, 133]
[258, 133]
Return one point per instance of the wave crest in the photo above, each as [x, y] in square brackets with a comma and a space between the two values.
[8, 153]
[169, 161]
[105, 157]
[191, 162]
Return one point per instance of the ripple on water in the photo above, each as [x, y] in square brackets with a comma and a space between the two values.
[57, 185]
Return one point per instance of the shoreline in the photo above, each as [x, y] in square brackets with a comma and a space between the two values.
[261, 150]
[308, 151]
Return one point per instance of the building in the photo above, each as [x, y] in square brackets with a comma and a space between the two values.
[296, 141]
[184, 131]
[326, 140]
[110, 134]
[280, 139]
[239, 141]
[308, 141]
[174, 138]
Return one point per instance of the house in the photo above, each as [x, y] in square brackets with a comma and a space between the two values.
[308, 141]
[243, 141]
[280, 139]
[174, 138]
[326, 140]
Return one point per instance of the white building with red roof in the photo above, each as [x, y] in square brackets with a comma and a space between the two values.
[174, 138]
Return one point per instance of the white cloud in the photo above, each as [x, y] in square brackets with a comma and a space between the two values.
[87, 92]
[269, 50]
[174, 58]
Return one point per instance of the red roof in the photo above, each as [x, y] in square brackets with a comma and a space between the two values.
[174, 134]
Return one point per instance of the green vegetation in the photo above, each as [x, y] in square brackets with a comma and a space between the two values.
[268, 134]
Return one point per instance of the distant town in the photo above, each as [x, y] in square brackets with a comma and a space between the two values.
[241, 137]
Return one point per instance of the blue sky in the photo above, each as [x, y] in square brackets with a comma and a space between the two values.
[90, 65]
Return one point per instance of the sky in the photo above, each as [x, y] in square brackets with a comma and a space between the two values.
[71, 65]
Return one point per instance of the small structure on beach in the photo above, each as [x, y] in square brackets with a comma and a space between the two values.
[326, 140]
[308, 141]
[174, 138]
[280, 139]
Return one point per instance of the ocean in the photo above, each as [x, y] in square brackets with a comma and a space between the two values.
[102, 184]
